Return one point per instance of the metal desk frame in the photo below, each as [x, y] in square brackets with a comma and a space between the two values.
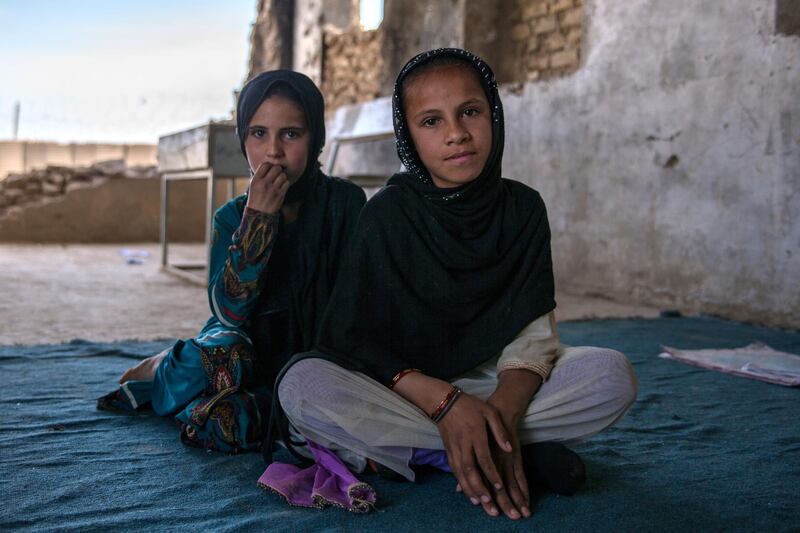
[184, 270]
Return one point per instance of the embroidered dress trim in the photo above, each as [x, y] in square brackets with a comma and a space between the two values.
[359, 494]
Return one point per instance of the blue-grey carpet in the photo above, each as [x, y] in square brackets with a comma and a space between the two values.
[699, 451]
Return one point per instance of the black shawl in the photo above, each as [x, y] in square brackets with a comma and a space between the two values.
[298, 291]
[440, 279]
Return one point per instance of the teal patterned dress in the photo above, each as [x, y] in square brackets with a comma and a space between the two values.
[218, 384]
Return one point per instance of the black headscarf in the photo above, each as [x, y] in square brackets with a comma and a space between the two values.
[313, 105]
[307, 254]
[441, 279]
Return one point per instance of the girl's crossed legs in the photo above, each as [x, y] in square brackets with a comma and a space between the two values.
[588, 390]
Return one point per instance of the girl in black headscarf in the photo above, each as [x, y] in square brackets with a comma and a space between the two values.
[274, 258]
[440, 334]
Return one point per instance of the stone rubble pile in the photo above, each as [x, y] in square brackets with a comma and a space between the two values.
[21, 190]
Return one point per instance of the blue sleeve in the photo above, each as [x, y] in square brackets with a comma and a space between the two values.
[240, 251]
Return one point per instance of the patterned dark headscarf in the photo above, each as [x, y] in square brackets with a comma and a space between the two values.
[310, 99]
[405, 146]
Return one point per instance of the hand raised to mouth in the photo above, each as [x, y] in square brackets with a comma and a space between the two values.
[267, 188]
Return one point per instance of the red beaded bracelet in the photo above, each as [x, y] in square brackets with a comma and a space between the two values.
[400, 375]
[445, 404]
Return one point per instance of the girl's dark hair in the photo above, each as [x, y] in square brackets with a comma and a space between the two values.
[433, 64]
[285, 90]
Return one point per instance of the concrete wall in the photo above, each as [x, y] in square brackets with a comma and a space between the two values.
[271, 37]
[670, 161]
[522, 39]
[307, 45]
[24, 156]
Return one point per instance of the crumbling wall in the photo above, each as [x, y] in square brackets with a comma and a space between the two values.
[412, 27]
[105, 203]
[353, 66]
[670, 161]
[272, 37]
[359, 66]
[20, 190]
[546, 38]
[523, 41]
[308, 21]
[669, 157]
[25, 156]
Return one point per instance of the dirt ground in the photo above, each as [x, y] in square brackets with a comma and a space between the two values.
[55, 293]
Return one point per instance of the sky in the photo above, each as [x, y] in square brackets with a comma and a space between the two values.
[119, 70]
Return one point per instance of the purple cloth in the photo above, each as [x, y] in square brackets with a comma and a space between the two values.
[326, 482]
[434, 458]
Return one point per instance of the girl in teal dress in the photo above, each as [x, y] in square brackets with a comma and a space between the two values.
[275, 254]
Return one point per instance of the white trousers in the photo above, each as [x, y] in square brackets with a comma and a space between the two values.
[589, 389]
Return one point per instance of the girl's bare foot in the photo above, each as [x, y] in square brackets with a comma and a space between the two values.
[145, 370]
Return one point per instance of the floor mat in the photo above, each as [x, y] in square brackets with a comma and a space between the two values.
[699, 450]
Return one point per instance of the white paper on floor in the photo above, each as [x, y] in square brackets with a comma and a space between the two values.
[757, 361]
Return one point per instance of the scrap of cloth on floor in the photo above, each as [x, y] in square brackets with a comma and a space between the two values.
[699, 450]
[325, 482]
[756, 361]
